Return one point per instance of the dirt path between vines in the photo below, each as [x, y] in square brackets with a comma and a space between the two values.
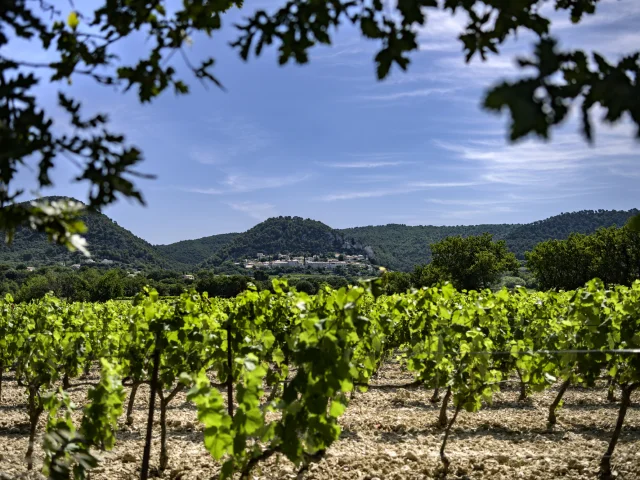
[387, 434]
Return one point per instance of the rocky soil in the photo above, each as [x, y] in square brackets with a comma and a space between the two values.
[387, 434]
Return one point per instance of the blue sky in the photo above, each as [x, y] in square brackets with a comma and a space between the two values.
[329, 142]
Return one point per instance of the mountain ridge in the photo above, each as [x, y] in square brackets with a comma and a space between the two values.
[105, 238]
[395, 246]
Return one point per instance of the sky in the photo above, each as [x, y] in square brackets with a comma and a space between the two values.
[327, 141]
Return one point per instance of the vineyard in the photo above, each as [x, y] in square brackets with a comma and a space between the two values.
[273, 384]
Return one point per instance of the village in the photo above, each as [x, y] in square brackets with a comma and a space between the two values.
[315, 261]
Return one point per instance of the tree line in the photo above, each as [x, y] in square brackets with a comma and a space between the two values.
[610, 254]
[476, 262]
[99, 285]
[469, 263]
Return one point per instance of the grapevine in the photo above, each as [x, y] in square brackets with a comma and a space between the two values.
[271, 373]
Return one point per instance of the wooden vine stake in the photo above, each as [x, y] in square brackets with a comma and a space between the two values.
[144, 471]
[230, 373]
[625, 402]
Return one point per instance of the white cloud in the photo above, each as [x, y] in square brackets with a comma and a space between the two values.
[509, 199]
[396, 190]
[357, 195]
[608, 12]
[205, 157]
[336, 52]
[477, 212]
[234, 138]
[420, 92]
[204, 191]
[466, 203]
[248, 183]
[457, 70]
[259, 211]
[627, 173]
[442, 184]
[363, 164]
[234, 184]
[373, 178]
[441, 30]
[379, 155]
[533, 162]
[435, 46]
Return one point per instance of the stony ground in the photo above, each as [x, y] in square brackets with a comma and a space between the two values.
[387, 434]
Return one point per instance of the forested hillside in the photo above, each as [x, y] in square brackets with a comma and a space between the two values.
[400, 247]
[291, 235]
[559, 227]
[194, 252]
[106, 241]
[397, 247]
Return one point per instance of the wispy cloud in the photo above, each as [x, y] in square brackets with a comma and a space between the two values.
[472, 213]
[441, 31]
[508, 199]
[419, 92]
[465, 203]
[358, 195]
[232, 138]
[336, 52]
[627, 173]
[379, 155]
[247, 183]
[259, 211]
[608, 12]
[205, 157]
[533, 162]
[436, 46]
[203, 191]
[477, 72]
[363, 164]
[396, 190]
[374, 178]
[421, 185]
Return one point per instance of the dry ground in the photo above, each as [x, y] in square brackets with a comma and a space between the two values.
[387, 434]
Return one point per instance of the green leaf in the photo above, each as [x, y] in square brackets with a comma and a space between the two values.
[217, 443]
[337, 408]
[254, 420]
[278, 356]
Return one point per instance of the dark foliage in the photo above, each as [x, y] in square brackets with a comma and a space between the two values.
[526, 237]
[469, 263]
[106, 241]
[610, 254]
[401, 247]
[194, 252]
[285, 235]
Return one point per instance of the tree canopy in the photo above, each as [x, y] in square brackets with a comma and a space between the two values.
[470, 263]
[610, 254]
[83, 43]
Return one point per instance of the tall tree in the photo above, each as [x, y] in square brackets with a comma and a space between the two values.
[469, 263]
[610, 254]
[82, 43]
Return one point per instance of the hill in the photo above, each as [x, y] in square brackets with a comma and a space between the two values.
[400, 247]
[290, 235]
[106, 241]
[525, 237]
[194, 252]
